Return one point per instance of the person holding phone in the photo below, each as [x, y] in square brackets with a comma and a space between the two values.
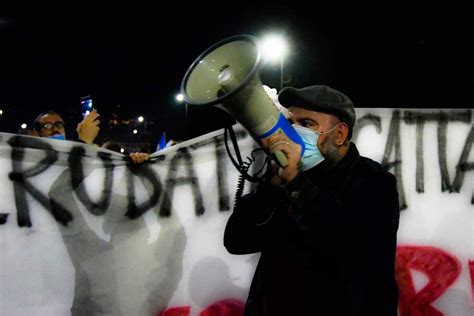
[88, 129]
[50, 124]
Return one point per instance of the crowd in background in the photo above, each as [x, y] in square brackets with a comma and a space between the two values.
[50, 124]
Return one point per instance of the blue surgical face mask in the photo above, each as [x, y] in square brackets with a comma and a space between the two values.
[312, 156]
[58, 136]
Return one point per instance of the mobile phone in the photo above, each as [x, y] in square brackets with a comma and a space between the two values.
[86, 105]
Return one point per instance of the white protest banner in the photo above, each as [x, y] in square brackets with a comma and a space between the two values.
[84, 232]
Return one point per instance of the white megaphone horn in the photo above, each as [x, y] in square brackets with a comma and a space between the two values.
[226, 76]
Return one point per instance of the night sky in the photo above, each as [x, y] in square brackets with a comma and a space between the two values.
[132, 59]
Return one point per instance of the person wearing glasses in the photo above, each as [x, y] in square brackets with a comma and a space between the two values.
[50, 124]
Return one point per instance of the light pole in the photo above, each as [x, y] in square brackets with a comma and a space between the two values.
[186, 120]
[180, 99]
[141, 120]
[274, 48]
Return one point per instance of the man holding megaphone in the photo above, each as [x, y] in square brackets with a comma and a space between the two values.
[325, 223]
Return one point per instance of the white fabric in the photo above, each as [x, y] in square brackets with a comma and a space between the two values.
[105, 263]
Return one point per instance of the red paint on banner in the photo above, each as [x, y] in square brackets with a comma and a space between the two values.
[440, 267]
[471, 272]
[176, 311]
[226, 307]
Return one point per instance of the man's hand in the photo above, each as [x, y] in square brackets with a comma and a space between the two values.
[139, 157]
[291, 150]
[88, 129]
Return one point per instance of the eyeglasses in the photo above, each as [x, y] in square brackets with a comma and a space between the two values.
[57, 124]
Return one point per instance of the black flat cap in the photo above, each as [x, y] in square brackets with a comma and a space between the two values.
[320, 98]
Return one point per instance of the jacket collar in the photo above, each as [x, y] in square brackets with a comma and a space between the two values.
[332, 175]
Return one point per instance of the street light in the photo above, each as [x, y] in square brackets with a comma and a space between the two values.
[141, 120]
[274, 48]
[180, 97]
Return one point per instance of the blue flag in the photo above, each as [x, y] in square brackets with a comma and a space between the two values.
[162, 142]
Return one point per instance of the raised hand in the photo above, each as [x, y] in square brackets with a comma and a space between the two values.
[88, 129]
[139, 157]
[292, 151]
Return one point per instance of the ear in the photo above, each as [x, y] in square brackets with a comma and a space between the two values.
[342, 132]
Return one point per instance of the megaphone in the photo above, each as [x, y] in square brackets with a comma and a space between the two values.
[226, 76]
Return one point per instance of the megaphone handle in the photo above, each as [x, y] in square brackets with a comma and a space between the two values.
[280, 158]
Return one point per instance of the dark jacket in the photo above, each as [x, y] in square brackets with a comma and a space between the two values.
[327, 241]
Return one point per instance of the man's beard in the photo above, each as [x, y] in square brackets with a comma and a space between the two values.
[330, 153]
